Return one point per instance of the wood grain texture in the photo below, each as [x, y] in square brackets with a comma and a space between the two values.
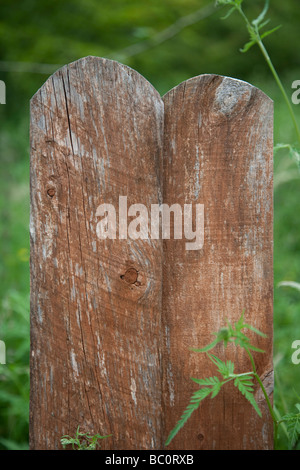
[96, 134]
[113, 321]
[218, 140]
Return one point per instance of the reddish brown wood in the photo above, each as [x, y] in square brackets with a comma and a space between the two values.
[112, 322]
[96, 134]
[218, 152]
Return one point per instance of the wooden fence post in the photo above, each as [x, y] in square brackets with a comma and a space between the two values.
[218, 152]
[96, 134]
[113, 321]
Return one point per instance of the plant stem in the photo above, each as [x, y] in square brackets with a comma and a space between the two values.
[281, 422]
[251, 359]
[267, 399]
[271, 66]
[261, 386]
[273, 416]
[279, 83]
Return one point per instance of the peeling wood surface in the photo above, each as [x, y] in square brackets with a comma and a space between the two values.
[218, 151]
[96, 130]
[112, 322]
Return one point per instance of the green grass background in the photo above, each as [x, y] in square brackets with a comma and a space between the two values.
[59, 32]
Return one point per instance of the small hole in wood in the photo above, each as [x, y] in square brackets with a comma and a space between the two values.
[51, 192]
[130, 276]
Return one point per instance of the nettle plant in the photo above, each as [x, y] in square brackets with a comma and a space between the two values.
[211, 386]
[82, 441]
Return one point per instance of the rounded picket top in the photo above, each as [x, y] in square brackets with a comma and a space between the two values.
[229, 91]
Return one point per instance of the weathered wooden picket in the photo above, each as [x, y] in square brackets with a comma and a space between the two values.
[113, 321]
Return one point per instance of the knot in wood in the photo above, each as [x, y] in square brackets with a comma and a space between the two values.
[130, 276]
[51, 192]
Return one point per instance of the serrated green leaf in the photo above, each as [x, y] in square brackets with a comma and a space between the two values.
[225, 368]
[195, 401]
[267, 33]
[185, 416]
[254, 348]
[65, 441]
[248, 384]
[200, 394]
[219, 363]
[245, 386]
[239, 324]
[215, 390]
[82, 440]
[206, 348]
[243, 341]
[255, 330]
[292, 421]
[230, 367]
[252, 33]
[206, 381]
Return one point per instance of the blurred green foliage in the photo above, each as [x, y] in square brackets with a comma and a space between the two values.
[14, 376]
[61, 31]
[34, 33]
